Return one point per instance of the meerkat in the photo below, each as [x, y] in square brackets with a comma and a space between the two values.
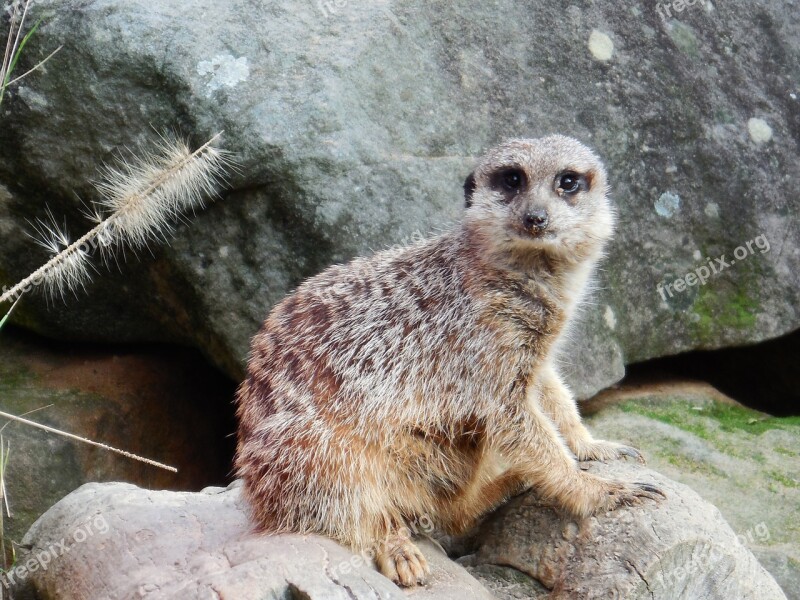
[422, 382]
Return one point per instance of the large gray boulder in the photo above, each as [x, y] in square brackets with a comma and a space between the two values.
[118, 541]
[354, 126]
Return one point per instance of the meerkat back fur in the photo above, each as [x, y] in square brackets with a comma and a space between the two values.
[421, 382]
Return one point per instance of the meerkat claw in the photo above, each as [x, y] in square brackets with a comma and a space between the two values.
[602, 450]
[628, 451]
[650, 488]
[621, 493]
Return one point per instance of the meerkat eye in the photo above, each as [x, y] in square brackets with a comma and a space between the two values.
[512, 180]
[570, 182]
[509, 182]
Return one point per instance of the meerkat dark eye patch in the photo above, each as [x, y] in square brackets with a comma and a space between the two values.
[510, 181]
[571, 182]
[469, 189]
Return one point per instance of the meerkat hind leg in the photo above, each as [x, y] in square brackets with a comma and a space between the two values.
[401, 561]
[489, 488]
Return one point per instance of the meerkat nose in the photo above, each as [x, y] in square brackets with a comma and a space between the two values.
[536, 220]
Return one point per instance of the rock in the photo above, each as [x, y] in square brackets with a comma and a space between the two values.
[122, 541]
[165, 404]
[745, 463]
[508, 583]
[187, 546]
[681, 548]
[355, 125]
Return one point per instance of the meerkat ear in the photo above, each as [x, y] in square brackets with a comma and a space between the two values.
[469, 188]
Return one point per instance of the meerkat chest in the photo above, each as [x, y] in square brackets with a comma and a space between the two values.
[525, 314]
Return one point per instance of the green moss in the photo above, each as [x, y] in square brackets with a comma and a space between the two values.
[723, 115]
[709, 421]
[684, 38]
[719, 313]
[671, 411]
[733, 418]
[783, 479]
[697, 419]
[13, 375]
[684, 463]
[785, 451]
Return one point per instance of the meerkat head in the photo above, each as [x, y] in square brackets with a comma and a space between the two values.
[546, 195]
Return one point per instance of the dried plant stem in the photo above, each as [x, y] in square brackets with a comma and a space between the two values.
[8, 314]
[34, 67]
[5, 451]
[15, 43]
[117, 225]
[12, 44]
[87, 441]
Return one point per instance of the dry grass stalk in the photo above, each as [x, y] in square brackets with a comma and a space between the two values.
[16, 43]
[87, 441]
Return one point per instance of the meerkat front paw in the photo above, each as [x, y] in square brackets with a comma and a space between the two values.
[603, 450]
[596, 495]
[619, 493]
[401, 561]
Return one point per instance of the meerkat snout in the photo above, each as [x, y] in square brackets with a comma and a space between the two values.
[536, 220]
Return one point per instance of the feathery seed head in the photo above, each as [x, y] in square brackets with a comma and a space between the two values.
[145, 195]
[142, 198]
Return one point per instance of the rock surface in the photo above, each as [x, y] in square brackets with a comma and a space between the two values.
[681, 549]
[743, 462]
[355, 125]
[182, 546]
[153, 544]
[164, 404]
